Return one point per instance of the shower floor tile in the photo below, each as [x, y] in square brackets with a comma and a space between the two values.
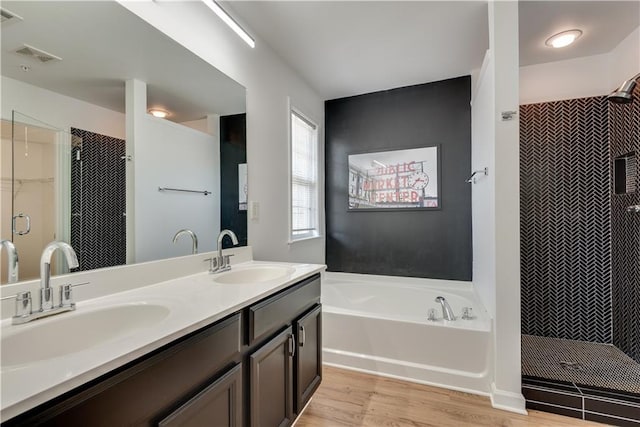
[582, 363]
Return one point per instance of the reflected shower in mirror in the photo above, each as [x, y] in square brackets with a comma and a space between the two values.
[82, 157]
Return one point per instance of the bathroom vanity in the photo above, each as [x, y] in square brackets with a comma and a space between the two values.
[255, 360]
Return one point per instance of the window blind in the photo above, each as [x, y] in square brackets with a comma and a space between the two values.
[303, 176]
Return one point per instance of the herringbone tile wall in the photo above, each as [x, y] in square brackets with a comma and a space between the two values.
[98, 200]
[624, 126]
[565, 219]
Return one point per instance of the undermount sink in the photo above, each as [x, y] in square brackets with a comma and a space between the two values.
[254, 274]
[66, 334]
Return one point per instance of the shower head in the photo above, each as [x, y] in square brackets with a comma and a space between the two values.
[624, 94]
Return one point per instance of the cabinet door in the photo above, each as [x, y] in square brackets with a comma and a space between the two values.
[308, 361]
[218, 405]
[271, 381]
[149, 388]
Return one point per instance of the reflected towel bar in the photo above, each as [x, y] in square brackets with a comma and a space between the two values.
[205, 192]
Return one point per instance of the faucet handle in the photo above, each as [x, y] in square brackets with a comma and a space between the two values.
[23, 303]
[226, 260]
[467, 313]
[213, 264]
[66, 294]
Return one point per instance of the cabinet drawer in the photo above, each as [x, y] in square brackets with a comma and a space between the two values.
[275, 312]
[153, 386]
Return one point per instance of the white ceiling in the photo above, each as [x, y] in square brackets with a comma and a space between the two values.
[604, 25]
[102, 45]
[345, 48]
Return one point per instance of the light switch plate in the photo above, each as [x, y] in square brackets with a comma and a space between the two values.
[254, 210]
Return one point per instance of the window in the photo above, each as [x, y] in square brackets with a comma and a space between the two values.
[304, 177]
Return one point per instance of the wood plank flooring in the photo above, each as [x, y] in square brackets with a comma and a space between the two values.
[348, 398]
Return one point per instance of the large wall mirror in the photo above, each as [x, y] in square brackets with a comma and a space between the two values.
[84, 161]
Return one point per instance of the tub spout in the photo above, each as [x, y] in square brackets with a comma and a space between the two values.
[447, 312]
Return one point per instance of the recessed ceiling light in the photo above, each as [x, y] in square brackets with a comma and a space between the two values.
[156, 112]
[563, 39]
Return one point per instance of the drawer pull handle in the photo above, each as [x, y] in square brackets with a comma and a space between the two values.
[303, 337]
[292, 345]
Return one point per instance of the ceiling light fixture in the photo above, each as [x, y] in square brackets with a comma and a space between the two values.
[563, 39]
[156, 112]
[213, 5]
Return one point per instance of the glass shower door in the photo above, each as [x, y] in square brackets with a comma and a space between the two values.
[35, 190]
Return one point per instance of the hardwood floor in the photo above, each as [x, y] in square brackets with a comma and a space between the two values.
[348, 398]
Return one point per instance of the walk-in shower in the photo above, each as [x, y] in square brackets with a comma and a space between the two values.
[580, 256]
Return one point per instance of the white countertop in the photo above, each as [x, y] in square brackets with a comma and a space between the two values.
[193, 301]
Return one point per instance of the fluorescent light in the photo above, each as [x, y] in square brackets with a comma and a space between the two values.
[563, 39]
[156, 112]
[230, 22]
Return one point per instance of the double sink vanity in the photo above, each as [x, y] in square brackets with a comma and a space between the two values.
[238, 348]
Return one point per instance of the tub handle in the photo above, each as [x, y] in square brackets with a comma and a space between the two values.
[302, 337]
[292, 345]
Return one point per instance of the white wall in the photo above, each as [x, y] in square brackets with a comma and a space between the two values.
[506, 391]
[58, 110]
[624, 60]
[581, 77]
[483, 191]
[167, 154]
[572, 78]
[495, 216]
[269, 81]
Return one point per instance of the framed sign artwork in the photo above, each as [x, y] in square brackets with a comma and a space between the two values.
[399, 179]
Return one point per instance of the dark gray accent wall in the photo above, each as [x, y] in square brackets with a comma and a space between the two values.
[416, 243]
[565, 213]
[233, 151]
[98, 200]
[624, 125]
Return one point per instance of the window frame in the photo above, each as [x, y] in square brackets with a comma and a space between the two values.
[315, 232]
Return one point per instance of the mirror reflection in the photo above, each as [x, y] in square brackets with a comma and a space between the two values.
[84, 161]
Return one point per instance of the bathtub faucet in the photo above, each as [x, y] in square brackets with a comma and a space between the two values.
[447, 313]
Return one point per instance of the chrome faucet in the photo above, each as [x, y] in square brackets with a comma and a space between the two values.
[447, 312]
[24, 308]
[46, 293]
[221, 263]
[12, 258]
[194, 239]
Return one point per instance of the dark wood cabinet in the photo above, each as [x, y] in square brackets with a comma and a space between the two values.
[308, 360]
[270, 315]
[271, 393]
[257, 367]
[140, 393]
[218, 405]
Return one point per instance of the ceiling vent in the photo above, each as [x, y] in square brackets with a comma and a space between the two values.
[37, 54]
[8, 17]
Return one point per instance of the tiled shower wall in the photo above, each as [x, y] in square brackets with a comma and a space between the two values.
[98, 200]
[565, 220]
[624, 126]
[580, 248]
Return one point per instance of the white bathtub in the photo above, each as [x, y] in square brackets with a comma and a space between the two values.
[379, 324]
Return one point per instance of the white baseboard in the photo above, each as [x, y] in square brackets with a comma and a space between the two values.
[507, 400]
